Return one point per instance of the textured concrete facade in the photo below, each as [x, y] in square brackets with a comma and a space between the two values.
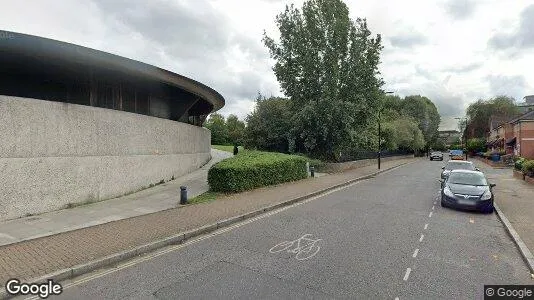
[53, 154]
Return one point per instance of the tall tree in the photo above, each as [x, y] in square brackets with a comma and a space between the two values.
[425, 113]
[268, 126]
[480, 112]
[236, 129]
[327, 64]
[217, 125]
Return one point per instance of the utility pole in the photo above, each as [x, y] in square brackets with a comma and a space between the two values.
[380, 132]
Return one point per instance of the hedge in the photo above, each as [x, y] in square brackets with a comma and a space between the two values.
[528, 167]
[518, 164]
[253, 169]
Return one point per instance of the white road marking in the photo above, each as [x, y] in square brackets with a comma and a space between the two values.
[432, 207]
[407, 274]
[166, 250]
[396, 298]
[421, 238]
[426, 226]
[430, 215]
[415, 252]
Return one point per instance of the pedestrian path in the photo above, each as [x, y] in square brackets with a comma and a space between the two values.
[158, 198]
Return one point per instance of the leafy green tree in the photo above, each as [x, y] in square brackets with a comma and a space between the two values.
[327, 64]
[426, 114]
[480, 112]
[217, 125]
[403, 133]
[268, 126]
[236, 129]
[476, 144]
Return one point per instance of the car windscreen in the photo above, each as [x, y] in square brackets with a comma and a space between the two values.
[459, 166]
[436, 153]
[457, 152]
[467, 178]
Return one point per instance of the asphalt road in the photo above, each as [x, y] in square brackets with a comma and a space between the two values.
[382, 238]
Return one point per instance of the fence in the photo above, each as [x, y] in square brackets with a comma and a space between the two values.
[367, 154]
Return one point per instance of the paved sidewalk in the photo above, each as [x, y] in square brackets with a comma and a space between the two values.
[158, 198]
[515, 198]
[34, 258]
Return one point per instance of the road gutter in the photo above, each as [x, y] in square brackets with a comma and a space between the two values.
[180, 238]
[525, 252]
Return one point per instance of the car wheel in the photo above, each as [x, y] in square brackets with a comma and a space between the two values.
[489, 209]
[442, 203]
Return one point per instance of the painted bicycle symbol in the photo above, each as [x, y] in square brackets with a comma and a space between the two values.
[305, 247]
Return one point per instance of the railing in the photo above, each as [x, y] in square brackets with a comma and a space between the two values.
[366, 154]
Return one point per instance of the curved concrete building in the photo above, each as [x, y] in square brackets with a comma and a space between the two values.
[79, 125]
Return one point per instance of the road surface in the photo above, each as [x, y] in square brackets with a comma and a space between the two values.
[382, 238]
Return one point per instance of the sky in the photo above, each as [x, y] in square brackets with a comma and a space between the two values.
[451, 51]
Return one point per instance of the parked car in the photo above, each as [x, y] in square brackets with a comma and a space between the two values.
[456, 165]
[469, 190]
[436, 156]
[456, 154]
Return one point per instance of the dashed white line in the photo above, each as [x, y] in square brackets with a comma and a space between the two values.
[421, 238]
[396, 298]
[415, 252]
[407, 274]
[430, 215]
[432, 207]
[426, 226]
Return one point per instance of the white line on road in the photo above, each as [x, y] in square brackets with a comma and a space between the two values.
[430, 215]
[421, 238]
[407, 274]
[396, 298]
[432, 207]
[415, 252]
[426, 226]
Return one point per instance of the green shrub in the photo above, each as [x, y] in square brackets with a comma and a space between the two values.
[253, 169]
[518, 164]
[528, 167]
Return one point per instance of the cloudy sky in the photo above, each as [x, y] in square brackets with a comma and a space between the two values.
[452, 51]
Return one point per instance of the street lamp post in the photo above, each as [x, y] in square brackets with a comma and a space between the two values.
[380, 133]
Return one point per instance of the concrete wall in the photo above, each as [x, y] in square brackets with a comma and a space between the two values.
[53, 154]
[340, 167]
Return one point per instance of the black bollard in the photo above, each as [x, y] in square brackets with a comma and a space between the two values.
[312, 171]
[236, 150]
[183, 195]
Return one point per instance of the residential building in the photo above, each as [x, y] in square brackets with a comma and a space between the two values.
[522, 141]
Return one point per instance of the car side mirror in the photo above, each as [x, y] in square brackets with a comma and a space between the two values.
[477, 169]
[443, 168]
[442, 180]
[492, 184]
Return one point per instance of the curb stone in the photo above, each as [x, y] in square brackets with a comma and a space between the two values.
[525, 252]
[180, 238]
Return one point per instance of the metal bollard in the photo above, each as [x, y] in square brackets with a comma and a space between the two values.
[312, 171]
[183, 195]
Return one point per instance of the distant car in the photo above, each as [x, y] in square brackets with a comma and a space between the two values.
[467, 190]
[456, 154]
[457, 165]
[436, 156]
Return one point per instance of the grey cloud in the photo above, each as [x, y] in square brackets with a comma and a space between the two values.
[192, 39]
[515, 86]
[465, 68]
[424, 73]
[408, 40]
[460, 9]
[521, 38]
